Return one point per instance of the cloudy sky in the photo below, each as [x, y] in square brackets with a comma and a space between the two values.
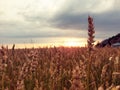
[57, 22]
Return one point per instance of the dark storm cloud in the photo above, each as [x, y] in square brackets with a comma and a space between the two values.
[108, 21]
[70, 21]
[106, 24]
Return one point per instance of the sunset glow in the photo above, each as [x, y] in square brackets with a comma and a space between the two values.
[71, 43]
[67, 42]
[74, 42]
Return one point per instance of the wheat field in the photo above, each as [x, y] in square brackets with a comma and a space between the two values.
[59, 68]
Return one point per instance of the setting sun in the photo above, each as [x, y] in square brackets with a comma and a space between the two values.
[71, 43]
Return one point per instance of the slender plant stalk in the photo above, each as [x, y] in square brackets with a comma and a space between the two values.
[90, 48]
[3, 81]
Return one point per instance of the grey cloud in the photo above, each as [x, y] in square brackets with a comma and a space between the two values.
[33, 17]
[105, 21]
[11, 28]
[70, 11]
[18, 30]
[70, 21]
[42, 35]
[106, 24]
[109, 21]
[71, 17]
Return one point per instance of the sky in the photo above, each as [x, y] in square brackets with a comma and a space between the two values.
[57, 22]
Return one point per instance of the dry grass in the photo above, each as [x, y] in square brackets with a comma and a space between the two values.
[58, 68]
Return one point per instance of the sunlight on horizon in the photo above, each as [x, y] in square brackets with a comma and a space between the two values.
[74, 42]
[66, 42]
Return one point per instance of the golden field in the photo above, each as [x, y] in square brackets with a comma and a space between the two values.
[59, 68]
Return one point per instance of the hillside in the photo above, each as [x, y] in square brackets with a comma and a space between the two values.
[112, 41]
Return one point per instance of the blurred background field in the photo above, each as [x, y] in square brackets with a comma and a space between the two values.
[58, 68]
